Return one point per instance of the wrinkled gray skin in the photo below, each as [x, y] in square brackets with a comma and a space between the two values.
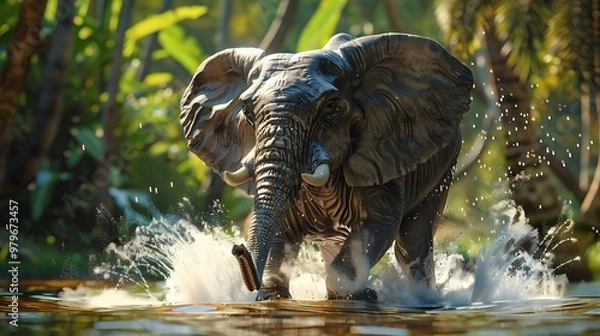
[382, 112]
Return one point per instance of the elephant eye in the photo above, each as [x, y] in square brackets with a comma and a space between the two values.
[333, 109]
[247, 114]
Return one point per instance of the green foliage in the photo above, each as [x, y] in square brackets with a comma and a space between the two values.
[152, 171]
[158, 23]
[185, 50]
[522, 25]
[458, 20]
[593, 259]
[322, 25]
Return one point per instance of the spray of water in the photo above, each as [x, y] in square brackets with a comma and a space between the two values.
[516, 266]
[197, 266]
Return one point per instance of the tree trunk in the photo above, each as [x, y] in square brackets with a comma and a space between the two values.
[391, 10]
[280, 27]
[223, 24]
[585, 150]
[21, 49]
[49, 108]
[590, 207]
[110, 119]
[490, 117]
[531, 188]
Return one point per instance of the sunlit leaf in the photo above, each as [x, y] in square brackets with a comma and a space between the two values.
[50, 14]
[321, 25]
[185, 50]
[159, 148]
[158, 22]
[593, 257]
[160, 54]
[158, 78]
[115, 8]
[84, 6]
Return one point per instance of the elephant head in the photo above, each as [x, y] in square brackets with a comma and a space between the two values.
[369, 109]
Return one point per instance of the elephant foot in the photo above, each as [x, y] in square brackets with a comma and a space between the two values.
[273, 293]
[368, 294]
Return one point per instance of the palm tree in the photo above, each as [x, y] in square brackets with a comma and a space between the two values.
[518, 37]
[509, 33]
[573, 44]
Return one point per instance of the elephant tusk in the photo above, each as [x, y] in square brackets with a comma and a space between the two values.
[319, 177]
[238, 177]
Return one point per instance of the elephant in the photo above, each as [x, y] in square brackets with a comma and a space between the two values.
[352, 147]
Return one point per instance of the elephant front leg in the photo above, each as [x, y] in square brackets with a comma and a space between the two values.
[379, 212]
[414, 240]
[348, 273]
[369, 240]
[275, 282]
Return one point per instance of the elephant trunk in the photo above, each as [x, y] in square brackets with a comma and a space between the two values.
[279, 153]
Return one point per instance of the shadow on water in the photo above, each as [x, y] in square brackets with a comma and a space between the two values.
[507, 290]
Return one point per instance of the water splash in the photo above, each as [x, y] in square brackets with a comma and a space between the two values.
[510, 269]
[198, 267]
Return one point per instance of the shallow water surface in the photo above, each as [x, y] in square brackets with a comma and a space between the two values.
[43, 311]
[504, 291]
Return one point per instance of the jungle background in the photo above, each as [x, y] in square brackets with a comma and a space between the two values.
[91, 146]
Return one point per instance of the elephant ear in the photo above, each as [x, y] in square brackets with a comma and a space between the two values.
[211, 114]
[337, 40]
[412, 94]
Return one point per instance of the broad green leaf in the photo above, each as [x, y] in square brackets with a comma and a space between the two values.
[158, 22]
[321, 25]
[185, 50]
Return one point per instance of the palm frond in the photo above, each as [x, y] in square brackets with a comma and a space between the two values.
[521, 26]
[573, 43]
[460, 20]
